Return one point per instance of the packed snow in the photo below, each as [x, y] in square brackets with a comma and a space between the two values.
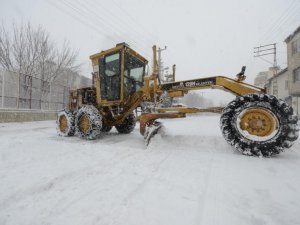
[188, 175]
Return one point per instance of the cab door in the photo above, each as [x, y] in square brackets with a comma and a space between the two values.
[110, 76]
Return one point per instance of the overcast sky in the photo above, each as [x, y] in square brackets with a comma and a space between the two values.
[204, 37]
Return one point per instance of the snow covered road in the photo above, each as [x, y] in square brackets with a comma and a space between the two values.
[190, 176]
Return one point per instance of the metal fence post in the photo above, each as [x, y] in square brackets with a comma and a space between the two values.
[3, 84]
[50, 92]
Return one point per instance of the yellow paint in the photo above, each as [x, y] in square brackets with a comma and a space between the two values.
[63, 123]
[84, 124]
[259, 122]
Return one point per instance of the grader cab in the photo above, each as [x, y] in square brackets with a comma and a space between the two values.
[121, 72]
[254, 123]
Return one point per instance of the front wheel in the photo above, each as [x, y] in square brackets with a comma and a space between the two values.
[128, 124]
[259, 125]
[88, 122]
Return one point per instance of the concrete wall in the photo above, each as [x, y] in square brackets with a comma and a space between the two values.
[36, 93]
[7, 116]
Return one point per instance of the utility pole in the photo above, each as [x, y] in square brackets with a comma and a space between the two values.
[265, 50]
[164, 76]
[160, 63]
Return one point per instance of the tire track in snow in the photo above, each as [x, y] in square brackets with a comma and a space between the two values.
[35, 190]
[81, 174]
[146, 180]
[88, 180]
[203, 199]
[212, 212]
[140, 187]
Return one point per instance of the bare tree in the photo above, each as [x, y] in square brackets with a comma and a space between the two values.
[28, 51]
[53, 62]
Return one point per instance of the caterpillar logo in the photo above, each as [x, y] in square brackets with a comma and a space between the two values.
[178, 86]
[190, 84]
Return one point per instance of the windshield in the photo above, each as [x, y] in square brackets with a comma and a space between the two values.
[112, 65]
[133, 74]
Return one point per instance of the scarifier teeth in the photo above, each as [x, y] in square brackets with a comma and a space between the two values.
[151, 131]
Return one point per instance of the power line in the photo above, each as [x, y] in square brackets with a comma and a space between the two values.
[284, 17]
[283, 22]
[117, 20]
[264, 50]
[132, 19]
[82, 21]
[103, 20]
[86, 23]
[274, 25]
[84, 15]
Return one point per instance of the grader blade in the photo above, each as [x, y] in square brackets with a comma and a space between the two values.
[151, 130]
[149, 126]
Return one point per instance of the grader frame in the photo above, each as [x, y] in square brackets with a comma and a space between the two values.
[153, 92]
[121, 85]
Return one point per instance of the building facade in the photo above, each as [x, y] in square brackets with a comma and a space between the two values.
[261, 79]
[286, 83]
[293, 59]
[277, 85]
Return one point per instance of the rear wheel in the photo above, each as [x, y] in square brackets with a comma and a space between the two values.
[106, 128]
[88, 122]
[65, 123]
[128, 124]
[259, 124]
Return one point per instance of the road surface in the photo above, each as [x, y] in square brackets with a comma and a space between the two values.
[188, 176]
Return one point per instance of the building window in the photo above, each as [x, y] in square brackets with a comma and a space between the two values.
[296, 73]
[286, 86]
[296, 46]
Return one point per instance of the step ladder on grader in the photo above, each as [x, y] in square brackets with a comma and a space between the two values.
[254, 123]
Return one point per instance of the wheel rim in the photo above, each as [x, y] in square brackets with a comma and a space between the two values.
[84, 124]
[63, 123]
[258, 124]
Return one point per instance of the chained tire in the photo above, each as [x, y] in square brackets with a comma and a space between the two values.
[259, 125]
[88, 122]
[65, 123]
[128, 124]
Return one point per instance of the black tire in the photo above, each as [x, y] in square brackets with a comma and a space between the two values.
[65, 123]
[88, 122]
[285, 134]
[128, 124]
[106, 128]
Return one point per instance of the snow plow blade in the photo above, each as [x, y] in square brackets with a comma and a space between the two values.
[149, 126]
[151, 131]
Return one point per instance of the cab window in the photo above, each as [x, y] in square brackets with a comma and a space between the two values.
[133, 74]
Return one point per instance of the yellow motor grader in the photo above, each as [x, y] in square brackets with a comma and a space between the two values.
[253, 123]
